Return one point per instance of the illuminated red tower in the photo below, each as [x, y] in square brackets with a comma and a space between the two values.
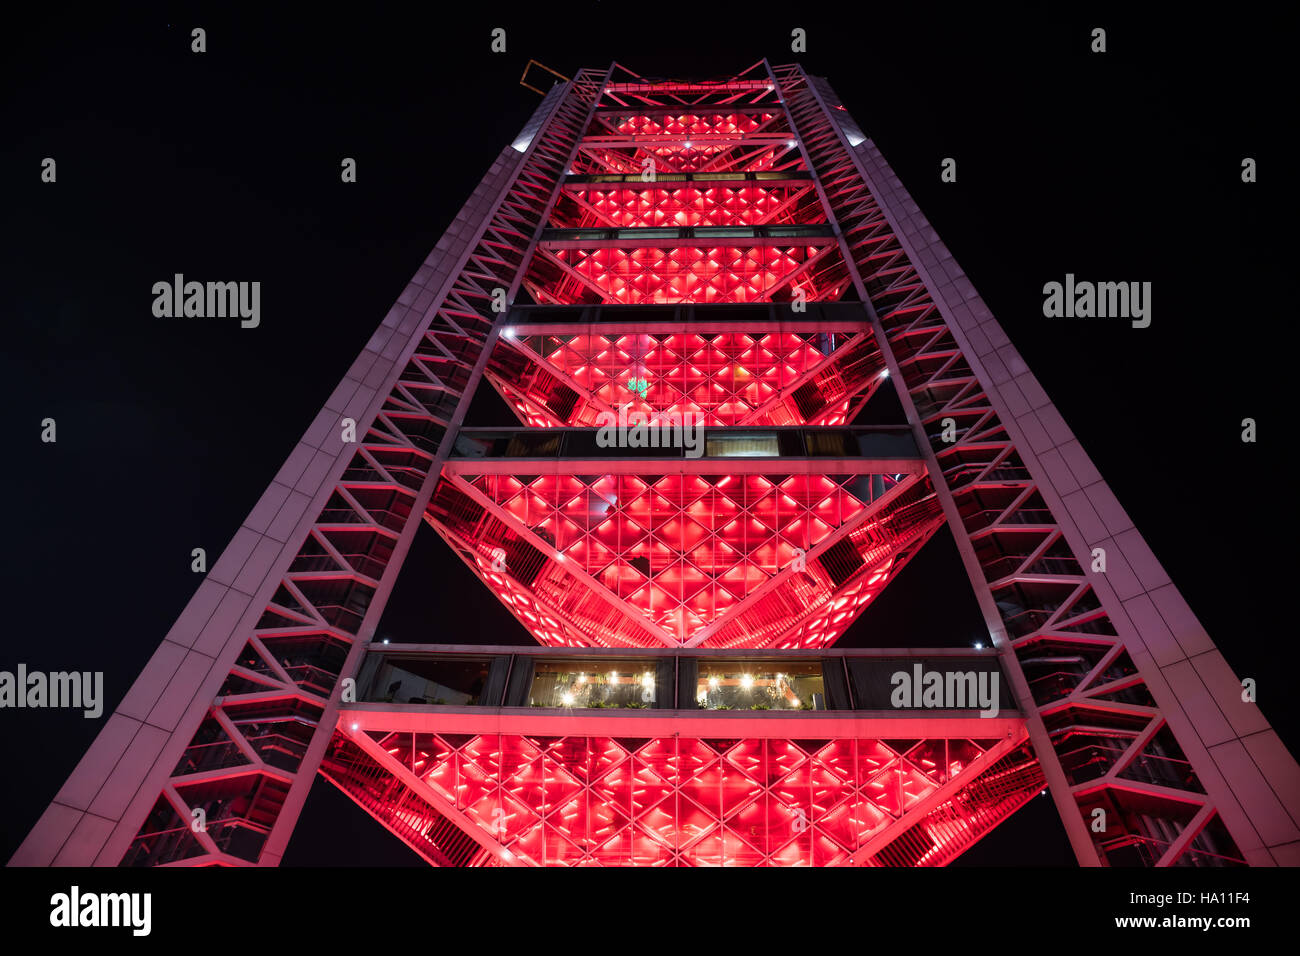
[734, 253]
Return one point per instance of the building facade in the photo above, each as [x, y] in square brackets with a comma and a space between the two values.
[687, 292]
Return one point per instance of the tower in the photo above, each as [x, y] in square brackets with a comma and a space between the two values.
[740, 253]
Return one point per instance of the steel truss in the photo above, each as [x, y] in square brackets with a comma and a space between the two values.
[312, 567]
[545, 797]
[688, 558]
[722, 374]
[1126, 707]
[1133, 711]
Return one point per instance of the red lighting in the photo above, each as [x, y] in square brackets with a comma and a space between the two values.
[706, 204]
[728, 378]
[695, 124]
[686, 273]
[759, 561]
[685, 801]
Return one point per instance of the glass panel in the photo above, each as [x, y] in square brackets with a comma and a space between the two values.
[516, 443]
[533, 446]
[431, 680]
[760, 685]
[746, 445]
[591, 683]
[797, 231]
[724, 232]
[830, 443]
[654, 233]
[571, 235]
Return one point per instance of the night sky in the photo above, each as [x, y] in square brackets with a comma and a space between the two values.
[225, 166]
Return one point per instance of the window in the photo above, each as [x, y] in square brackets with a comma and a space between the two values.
[453, 681]
[724, 232]
[651, 233]
[743, 445]
[831, 443]
[760, 685]
[616, 682]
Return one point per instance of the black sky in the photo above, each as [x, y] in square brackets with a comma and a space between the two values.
[225, 165]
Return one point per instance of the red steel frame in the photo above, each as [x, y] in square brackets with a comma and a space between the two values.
[317, 557]
[1125, 705]
[568, 374]
[1145, 722]
[695, 557]
[531, 791]
[701, 202]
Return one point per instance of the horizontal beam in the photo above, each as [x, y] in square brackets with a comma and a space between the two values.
[684, 466]
[695, 314]
[681, 110]
[667, 178]
[670, 86]
[417, 718]
[487, 650]
[747, 326]
[666, 444]
[689, 141]
[737, 238]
